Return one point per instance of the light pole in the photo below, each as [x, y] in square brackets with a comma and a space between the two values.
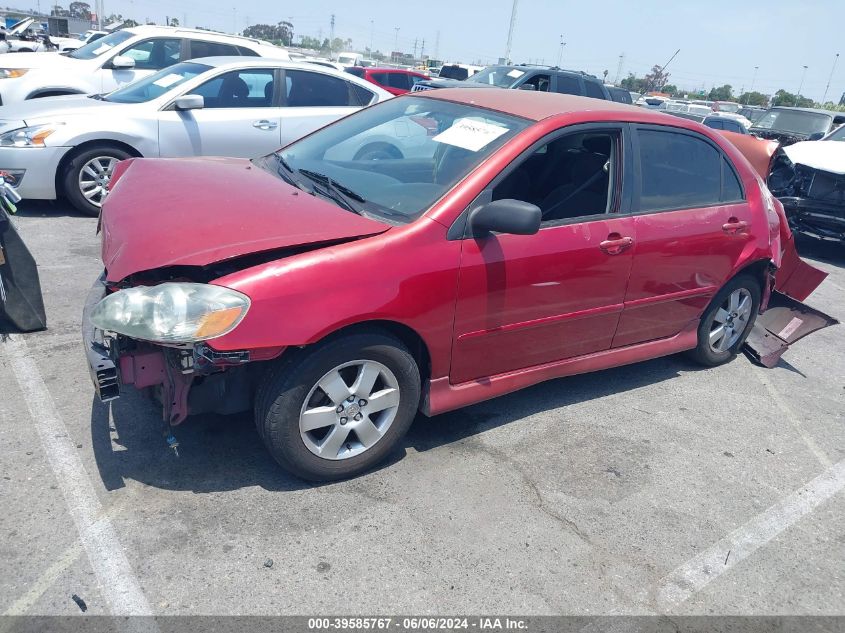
[234, 20]
[395, 43]
[754, 79]
[801, 86]
[827, 87]
[372, 31]
[560, 52]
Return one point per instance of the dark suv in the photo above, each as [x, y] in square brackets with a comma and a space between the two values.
[524, 77]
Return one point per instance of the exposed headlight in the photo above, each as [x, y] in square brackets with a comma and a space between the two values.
[11, 73]
[171, 312]
[32, 136]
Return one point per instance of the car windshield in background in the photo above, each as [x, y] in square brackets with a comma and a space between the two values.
[100, 46]
[729, 107]
[838, 135]
[794, 121]
[399, 157]
[157, 84]
[501, 76]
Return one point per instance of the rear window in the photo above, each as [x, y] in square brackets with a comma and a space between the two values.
[211, 49]
[356, 70]
[247, 52]
[454, 72]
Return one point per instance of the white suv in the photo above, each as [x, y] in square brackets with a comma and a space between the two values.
[117, 59]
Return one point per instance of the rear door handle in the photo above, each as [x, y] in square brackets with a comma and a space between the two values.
[264, 124]
[616, 244]
[734, 226]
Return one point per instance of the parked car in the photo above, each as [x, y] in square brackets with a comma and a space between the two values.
[537, 78]
[338, 298]
[116, 60]
[458, 72]
[726, 106]
[652, 103]
[752, 113]
[395, 80]
[791, 125]
[720, 122]
[808, 177]
[216, 106]
[350, 59]
[620, 95]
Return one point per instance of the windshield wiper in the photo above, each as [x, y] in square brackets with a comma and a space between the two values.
[286, 173]
[333, 184]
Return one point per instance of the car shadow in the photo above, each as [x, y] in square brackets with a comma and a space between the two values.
[822, 250]
[221, 453]
[47, 208]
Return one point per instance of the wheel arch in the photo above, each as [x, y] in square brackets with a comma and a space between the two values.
[83, 147]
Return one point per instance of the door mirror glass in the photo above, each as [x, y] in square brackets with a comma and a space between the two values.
[189, 102]
[122, 62]
[514, 217]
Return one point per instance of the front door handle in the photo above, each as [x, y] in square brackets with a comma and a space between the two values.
[264, 124]
[734, 226]
[616, 244]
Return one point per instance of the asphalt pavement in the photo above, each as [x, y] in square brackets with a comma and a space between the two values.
[658, 487]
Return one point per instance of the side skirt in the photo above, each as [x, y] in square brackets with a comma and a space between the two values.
[441, 396]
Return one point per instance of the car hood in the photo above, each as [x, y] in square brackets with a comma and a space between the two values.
[822, 155]
[199, 211]
[54, 109]
[39, 60]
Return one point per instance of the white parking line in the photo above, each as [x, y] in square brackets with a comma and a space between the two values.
[118, 583]
[694, 575]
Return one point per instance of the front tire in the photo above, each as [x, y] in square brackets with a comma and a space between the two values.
[88, 174]
[727, 321]
[337, 410]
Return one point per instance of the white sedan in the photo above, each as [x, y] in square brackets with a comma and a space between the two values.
[216, 106]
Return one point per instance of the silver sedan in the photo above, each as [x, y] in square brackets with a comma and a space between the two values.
[216, 106]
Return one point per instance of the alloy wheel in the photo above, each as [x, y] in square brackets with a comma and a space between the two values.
[94, 178]
[349, 409]
[730, 320]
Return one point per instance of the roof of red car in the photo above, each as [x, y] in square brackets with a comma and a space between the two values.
[527, 104]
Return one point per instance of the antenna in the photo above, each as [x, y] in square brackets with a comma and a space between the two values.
[510, 32]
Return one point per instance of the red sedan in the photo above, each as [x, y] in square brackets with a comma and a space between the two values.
[395, 80]
[515, 237]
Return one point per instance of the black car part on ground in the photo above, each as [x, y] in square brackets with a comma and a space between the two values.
[814, 200]
[21, 302]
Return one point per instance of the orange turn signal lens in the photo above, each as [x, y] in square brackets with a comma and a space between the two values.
[217, 323]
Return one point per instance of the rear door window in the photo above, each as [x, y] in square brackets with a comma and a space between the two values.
[304, 88]
[398, 80]
[568, 85]
[199, 48]
[678, 171]
[593, 89]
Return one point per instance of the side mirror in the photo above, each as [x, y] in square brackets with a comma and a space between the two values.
[505, 216]
[816, 137]
[528, 87]
[122, 62]
[189, 102]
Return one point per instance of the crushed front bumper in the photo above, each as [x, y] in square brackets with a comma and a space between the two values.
[816, 218]
[101, 364]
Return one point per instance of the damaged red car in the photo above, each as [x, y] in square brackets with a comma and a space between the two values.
[509, 238]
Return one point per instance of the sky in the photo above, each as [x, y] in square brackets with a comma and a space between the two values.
[720, 41]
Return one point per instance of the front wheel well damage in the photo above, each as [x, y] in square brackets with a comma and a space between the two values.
[64, 164]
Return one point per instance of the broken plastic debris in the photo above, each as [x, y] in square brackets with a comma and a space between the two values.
[268, 563]
[79, 603]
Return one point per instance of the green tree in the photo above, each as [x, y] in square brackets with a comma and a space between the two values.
[656, 79]
[174, 22]
[722, 93]
[633, 83]
[81, 10]
[670, 89]
[784, 98]
[754, 98]
[280, 33]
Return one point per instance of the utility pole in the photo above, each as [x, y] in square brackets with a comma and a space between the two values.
[395, 43]
[234, 20]
[422, 49]
[827, 87]
[560, 52]
[372, 32]
[510, 32]
[801, 85]
[331, 35]
[415, 47]
[619, 69]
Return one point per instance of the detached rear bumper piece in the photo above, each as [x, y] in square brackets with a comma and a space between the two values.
[101, 365]
[816, 218]
[785, 322]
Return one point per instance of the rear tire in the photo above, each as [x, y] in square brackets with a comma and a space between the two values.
[337, 410]
[88, 174]
[727, 321]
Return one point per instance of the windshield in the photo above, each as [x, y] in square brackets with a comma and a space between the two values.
[502, 76]
[838, 135]
[794, 121]
[401, 156]
[100, 46]
[155, 85]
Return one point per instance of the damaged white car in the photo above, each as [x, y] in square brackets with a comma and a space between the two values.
[809, 179]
